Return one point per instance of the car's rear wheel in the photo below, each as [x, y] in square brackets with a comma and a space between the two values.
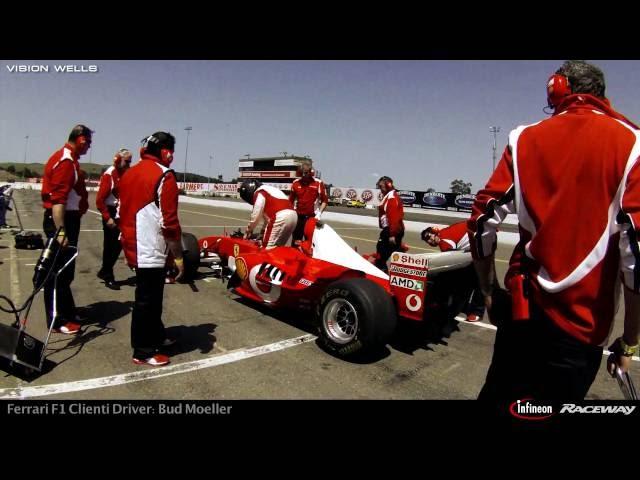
[191, 254]
[355, 316]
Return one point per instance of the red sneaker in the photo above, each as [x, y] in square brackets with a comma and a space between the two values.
[156, 360]
[69, 328]
[473, 318]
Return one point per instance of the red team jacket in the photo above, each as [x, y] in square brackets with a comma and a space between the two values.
[62, 182]
[267, 202]
[574, 182]
[307, 194]
[108, 191]
[454, 237]
[148, 213]
[391, 213]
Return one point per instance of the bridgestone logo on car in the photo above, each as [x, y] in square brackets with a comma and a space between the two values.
[407, 271]
[407, 283]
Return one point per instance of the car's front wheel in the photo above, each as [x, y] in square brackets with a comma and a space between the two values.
[355, 316]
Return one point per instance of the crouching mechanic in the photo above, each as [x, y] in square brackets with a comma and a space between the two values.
[107, 203]
[390, 218]
[306, 193]
[455, 237]
[271, 206]
[149, 225]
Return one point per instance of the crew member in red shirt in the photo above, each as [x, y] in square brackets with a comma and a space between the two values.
[574, 182]
[306, 193]
[390, 219]
[64, 198]
[107, 204]
[272, 208]
[454, 237]
[148, 221]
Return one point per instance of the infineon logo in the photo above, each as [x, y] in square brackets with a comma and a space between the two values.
[408, 283]
[407, 271]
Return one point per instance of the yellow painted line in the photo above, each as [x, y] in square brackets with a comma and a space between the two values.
[217, 216]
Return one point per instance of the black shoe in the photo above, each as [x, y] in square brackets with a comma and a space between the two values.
[103, 276]
[112, 284]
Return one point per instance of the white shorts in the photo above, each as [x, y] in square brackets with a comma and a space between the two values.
[279, 232]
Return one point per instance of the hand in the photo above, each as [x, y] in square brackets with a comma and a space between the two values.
[62, 239]
[111, 223]
[319, 216]
[179, 264]
[615, 361]
[247, 234]
[392, 241]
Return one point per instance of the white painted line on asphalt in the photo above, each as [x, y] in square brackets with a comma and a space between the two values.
[30, 264]
[488, 326]
[149, 374]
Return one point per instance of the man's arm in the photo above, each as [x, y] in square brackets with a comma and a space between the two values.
[629, 265]
[324, 199]
[492, 205]
[104, 190]
[171, 230]
[256, 214]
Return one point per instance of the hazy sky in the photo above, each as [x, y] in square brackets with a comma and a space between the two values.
[423, 123]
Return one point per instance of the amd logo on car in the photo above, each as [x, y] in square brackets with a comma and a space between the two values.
[407, 283]
[434, 199]
[367, 196]
[407, 197]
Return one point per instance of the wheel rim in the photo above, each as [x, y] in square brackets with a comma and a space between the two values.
[340, 321]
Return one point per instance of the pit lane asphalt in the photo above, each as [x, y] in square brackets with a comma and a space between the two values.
[214, 323]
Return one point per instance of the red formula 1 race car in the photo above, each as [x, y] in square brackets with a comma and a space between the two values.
[356, 305]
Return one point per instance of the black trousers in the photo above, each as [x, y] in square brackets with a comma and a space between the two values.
[536, 359]
[66, 305]
[147, 329]
[111, 246]
[298, 233]
[385, 249]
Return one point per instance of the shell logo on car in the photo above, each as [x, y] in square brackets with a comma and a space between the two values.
[241, 268]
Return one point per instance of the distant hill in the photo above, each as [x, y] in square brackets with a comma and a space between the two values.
[94, 170]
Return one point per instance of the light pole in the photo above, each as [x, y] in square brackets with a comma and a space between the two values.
[495, 131]
[26, 143]
[210, 161]
[186, 153]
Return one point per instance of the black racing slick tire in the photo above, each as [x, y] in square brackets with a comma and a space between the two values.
[355, 317]
[191, 255]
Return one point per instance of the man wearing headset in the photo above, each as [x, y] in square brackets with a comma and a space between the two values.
[309, 195]
[148, 220]
[63, 194]
[390, 219]
[574, 182]
[271, 207]
[106, 203]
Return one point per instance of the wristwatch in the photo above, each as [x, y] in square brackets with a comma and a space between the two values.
[628, 350]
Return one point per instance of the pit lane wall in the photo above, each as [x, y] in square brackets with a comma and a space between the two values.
[507, 238]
